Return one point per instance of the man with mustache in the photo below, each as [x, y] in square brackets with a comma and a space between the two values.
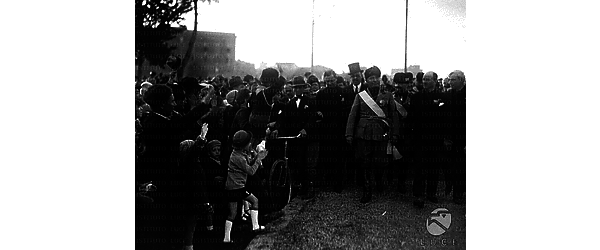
[371, 123]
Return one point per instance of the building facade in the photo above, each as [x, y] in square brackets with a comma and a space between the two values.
[213, 54]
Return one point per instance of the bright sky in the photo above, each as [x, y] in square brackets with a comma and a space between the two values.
[346, 31]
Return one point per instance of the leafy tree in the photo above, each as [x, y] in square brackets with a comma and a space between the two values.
[153, 20]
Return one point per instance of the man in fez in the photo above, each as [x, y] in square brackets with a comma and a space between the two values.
[403, 95]
[370, 123]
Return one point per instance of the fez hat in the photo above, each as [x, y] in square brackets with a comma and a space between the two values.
[372, 71]
[354, 68]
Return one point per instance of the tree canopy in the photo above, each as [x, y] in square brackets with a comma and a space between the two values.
[153, 21]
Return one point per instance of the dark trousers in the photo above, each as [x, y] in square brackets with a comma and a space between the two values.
[373, 156]
[456, 173]
[404, 167]
[332, 160]
[427, 169]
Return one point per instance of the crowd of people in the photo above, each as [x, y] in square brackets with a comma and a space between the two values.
[200, 142]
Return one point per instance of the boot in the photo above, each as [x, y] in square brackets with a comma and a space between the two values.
[256, 228]
[228, 225]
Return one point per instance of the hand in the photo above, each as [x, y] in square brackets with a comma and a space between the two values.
[274, 133]
[302, 133]
[319, 113]
[349, 139]
[262, 154]
[271, 125]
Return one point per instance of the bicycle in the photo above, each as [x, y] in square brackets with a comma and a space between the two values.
[280, 179]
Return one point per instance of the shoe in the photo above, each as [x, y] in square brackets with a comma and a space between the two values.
[260, 230]
[228, 242]
[366, 197]
[419, 203]
[433, 199]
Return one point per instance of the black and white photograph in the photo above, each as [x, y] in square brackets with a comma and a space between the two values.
[345, 119]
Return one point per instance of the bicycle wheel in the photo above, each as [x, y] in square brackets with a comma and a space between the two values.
[280, 184]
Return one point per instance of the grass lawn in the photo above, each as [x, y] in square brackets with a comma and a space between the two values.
[389, 221]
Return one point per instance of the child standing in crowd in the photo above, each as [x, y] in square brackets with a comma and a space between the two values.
[243, 162]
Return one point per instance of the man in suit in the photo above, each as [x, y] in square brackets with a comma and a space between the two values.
[430, 122]
[457, 139]
[356, 85]
[334, 149]
[297, 118]
[370, 124]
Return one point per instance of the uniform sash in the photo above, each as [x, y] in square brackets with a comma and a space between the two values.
[391, 150]
[371, 103]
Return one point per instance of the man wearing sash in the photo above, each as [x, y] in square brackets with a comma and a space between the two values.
[371, 124]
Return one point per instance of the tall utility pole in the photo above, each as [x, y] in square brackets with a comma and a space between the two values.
[405, 37]
[312, 46]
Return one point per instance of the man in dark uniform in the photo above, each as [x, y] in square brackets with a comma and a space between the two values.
[457, 138]
[429, 130]
[370, 124]
[405, 146]
[334, 149]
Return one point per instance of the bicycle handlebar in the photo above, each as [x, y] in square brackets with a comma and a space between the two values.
[287, 137]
